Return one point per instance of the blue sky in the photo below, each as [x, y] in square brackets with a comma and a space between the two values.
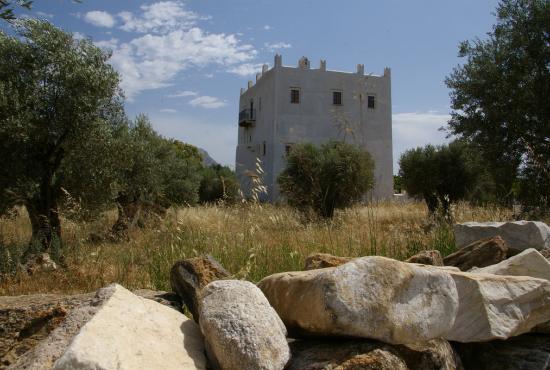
[183, 62]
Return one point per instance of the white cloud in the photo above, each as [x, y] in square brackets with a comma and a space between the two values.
[107, 44]
[246, 69]
[411, 130]
[78, 36]
[152, 61]
[100, 18]
[208, 102]
[182, 94]
[267, 27]
[44, 15]
[162, 16]
[276, 46]
[168, 110]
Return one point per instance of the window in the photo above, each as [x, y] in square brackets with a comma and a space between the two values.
[371, 101]
[263, 148]
[337, 98]
[295, 96]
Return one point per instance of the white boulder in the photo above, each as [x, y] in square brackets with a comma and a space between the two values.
[527, 263]
[497, 307]
[518, 235]
[241, 329]
[130, 332]
[372, 297]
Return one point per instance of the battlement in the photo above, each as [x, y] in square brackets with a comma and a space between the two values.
[305, 64]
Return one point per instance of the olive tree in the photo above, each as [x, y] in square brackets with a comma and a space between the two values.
[500, 101]
[322, 179]
[152, 173]
[58, 96]
[440, 175]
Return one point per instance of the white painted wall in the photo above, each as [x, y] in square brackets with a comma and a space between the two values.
[315, 119]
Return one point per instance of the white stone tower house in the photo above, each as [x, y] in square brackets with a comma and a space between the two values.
[289, 105]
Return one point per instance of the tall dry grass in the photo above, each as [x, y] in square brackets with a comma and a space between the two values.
[251, 241]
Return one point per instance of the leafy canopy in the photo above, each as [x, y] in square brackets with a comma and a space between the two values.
[321, 179]
[440, 175]
[500, 98]
[58, 97]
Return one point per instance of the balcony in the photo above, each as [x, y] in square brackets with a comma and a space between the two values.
[247, 118]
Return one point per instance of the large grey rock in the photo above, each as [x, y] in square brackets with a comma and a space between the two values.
[189, 276]
[130, 332]
[28, 324]
[107, 329]
[480, 253]
[372, 297]
[344, 354]
[525, 352]
[528, 263]
[519, 235]
[241, 329]
[497, 307]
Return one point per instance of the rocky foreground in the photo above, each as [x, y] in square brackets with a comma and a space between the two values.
[487, 306]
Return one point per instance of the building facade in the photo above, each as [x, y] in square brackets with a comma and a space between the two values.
[289, 105]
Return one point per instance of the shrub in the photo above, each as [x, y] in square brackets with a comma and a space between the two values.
[441, 175]
[218, 183]
[321, 179]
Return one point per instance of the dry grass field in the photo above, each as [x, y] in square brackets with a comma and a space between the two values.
[251, 241]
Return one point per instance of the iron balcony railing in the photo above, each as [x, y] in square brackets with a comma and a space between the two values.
[247, 117]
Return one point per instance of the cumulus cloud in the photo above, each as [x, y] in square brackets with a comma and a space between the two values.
[276, 46]
[182, 94]
[208, 102]
[100, 18]
[152, 61]
[107, 44]
[168, 110]
[171, 43]
[246, 69]
[162, 16]
[411, 130]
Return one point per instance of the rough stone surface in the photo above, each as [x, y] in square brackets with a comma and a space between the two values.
[189, 276]
[528, 263]
[497, 307]
[242, 331]
[343, 354]
[480, 253]
[406, 303]
[130, 332]
[432, 257]
[27, 320]
[519, 235]
[525, 352]
[322, 260]
[35, 330]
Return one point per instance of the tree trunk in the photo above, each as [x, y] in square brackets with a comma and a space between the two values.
[45, 223]
[128, 212]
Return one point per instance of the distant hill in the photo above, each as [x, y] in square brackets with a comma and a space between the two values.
[207, 160]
